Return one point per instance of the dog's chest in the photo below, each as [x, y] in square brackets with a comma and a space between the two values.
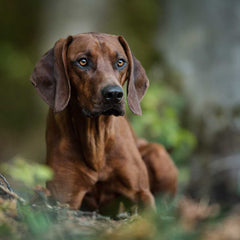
[105, 173]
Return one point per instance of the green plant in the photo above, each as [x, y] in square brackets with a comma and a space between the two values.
[30, 174]
[162, 107]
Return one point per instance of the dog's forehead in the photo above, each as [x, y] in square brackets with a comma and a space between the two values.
[94, 43]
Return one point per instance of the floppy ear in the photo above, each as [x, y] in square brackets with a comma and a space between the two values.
[50, 76]
[137, 82]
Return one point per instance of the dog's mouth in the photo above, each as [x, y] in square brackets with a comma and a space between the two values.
[116, 110]
[113, 111]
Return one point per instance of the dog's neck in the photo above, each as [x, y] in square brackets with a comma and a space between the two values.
[94, 136]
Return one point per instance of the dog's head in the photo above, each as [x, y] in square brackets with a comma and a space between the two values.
[91, 68]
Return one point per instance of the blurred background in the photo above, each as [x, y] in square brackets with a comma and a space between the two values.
[191, 52]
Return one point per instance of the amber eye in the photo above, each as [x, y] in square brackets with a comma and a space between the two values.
[120, 63]
[83, 62]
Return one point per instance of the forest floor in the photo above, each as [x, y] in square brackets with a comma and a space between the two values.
[180, 219]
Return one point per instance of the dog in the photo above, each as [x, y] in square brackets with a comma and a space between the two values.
[91, 147]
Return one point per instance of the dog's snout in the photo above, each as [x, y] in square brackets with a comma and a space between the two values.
[112, 93]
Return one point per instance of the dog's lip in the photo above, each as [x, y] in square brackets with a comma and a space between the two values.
[116, 110]
[113, 111]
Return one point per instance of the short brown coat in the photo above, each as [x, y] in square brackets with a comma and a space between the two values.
[94, 153]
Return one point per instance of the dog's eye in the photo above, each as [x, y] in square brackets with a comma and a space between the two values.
[83, 62]
[121, 63]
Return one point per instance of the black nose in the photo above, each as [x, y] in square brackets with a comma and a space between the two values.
[112, 93]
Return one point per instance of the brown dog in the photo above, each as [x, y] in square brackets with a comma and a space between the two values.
[91, 147]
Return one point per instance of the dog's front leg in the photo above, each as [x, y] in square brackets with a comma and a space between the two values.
[71, 182]
[132, 183]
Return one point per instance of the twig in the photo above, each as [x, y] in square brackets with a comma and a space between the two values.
[12, 194]
[6, 182]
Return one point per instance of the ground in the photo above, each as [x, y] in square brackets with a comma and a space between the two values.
[182, 218]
